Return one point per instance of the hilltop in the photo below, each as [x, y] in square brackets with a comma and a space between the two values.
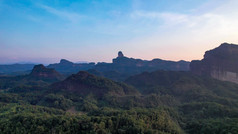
[84, 83]
[40, 72]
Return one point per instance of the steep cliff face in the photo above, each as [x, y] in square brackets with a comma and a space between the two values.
[220, 63]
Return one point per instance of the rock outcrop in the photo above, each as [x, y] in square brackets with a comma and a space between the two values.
[220, 63]
[120, 54]
[40, 72]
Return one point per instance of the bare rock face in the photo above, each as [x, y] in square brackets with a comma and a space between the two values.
[220, 63]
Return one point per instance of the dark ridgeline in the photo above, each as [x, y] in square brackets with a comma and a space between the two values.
[220, 63]
[122, 67]
[16, 69]
[68, 67]
[122, 63]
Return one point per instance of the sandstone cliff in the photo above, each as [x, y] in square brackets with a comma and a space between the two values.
[220, 63]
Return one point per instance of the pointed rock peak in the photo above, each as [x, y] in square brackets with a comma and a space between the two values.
[120, 54]
[64, 61]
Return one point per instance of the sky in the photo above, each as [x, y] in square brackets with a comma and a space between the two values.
[45, 31]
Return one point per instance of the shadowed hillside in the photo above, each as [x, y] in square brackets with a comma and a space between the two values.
[84, 83]
[185, 86]
[40, 72]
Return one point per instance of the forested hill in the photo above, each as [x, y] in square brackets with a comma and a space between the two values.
[160, 102]
[84, 83]
[40, 72]
[185, 86]
[206, 105]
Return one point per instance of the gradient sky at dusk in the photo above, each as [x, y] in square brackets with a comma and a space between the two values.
[44, 31]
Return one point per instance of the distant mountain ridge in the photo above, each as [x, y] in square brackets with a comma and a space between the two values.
[122, 62]
[15, 68]
[68, 67]
[122, 67]
[220, 63]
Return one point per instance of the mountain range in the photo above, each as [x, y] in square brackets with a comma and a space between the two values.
[125, 96]
[121, 67]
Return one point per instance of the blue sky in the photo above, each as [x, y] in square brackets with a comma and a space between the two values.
[44, 31]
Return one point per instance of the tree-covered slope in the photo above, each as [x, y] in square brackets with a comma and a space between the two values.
[205, 105]
[184, 86]
[21, 119]
[164, 102]
[84, 83]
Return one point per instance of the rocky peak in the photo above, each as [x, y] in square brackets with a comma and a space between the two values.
[40, 72]
[120, 54]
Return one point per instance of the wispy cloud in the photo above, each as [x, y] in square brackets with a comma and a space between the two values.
[167, 17]
[70, 16]
[210, 21]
